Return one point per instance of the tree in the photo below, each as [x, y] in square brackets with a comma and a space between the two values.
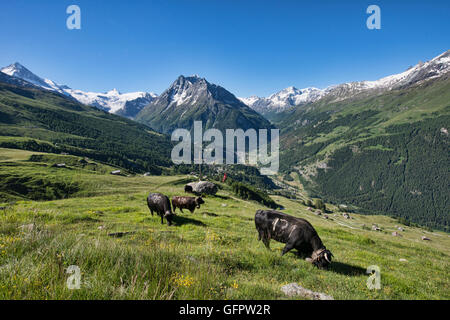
[318, 204]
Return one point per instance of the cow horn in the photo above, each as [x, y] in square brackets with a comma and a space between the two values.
[326, 257]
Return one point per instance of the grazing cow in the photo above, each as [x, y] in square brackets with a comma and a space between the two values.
[161, 204]
[296, 233]
[189, 203]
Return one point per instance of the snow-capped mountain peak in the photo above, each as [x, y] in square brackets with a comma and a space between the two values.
[250, 100]
[113, 101]
[16, 68]
[283, 100]
[421, 71]
[19, 71]
[194, 98]
[293, 97]
[185, 90]
[114, 92]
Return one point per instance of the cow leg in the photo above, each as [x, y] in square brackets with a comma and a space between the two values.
[151, 211]
[288, 247]
[162, 219]
[266, 242]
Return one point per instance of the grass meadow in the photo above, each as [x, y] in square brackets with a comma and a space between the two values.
[210, 254]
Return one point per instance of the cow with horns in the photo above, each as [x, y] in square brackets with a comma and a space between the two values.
[161, 205]
[296, 233]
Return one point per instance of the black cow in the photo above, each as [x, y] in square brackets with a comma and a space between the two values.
[296, 233]
[161, 204]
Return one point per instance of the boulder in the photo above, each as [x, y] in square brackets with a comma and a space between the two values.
[59, 165]
[120, 234]
[376, 228]
[202, 187]
[396, 234]
[293, 289]
[27, 227]
[426, 238]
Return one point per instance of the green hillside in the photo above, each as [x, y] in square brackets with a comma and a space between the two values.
[104, 227]
[385, 153]
[39, 120]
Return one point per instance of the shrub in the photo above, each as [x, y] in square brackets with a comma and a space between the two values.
[308, 203]
[404, 221]
[318, 204]
[246, 192]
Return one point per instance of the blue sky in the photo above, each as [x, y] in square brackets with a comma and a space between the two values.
[249, 47]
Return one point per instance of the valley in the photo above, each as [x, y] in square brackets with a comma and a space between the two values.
[375, 152]
[380, 146]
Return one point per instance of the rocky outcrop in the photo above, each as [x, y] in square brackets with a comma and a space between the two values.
[293, 289]
[202, 187]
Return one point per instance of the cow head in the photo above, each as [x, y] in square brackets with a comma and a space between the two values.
[321, 258]
[199, 201]
[169, 217]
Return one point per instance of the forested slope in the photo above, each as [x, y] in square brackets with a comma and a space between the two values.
[386, 153]
[39, 120]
